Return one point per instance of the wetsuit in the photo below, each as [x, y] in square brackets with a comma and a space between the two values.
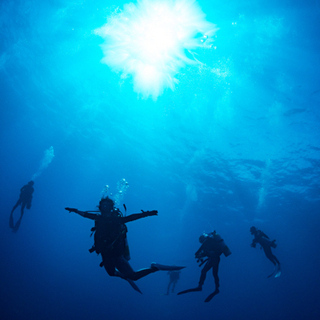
[24, 200]
[208, 249]
[261, 238]
[110, 242]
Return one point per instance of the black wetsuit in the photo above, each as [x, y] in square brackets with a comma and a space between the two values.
[261, 238]
[211, 250]
[110, 242]
[208, 249]
[24, 200]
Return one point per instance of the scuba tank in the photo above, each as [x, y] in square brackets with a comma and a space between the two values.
[218, 243]
[221, 245]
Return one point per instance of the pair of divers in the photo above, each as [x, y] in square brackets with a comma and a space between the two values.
[110, 240]
[212, 246]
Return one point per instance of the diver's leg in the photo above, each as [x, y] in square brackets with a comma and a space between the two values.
[204, 271]
[17, 225]
[23, 205]
[109, 265]
[275, 259]
[270, 256]
[126, 270]
[168, 289]
[141, 273]
[215, 269]
[174, 285]
[11, 225]
[16, 205]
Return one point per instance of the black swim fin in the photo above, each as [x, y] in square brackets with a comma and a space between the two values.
[276, 272]
[190, 290]
[210, 296]
[163, 267]
[11, 225]
[133, 285]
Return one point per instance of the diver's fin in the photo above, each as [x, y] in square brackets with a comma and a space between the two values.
[133, 285]
[210, 296]
[11, 221]
[190, 290]
[276, 272]
[273, 273]
[163, 267]
[17, 226]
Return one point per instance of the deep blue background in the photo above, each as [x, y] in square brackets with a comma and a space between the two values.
[235, 145]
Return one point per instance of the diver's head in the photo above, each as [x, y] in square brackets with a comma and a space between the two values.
[253, 230]
[31, 183]
[106, 205]
[203, 237]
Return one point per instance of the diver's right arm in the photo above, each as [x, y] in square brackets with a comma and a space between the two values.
[84, 214]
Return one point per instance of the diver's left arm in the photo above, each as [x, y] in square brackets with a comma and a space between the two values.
[137, 216]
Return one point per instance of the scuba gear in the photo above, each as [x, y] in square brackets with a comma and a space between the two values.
[110, 235]
[212, 243]
[222, 245]
[202, 261]
[202, 238]
[261, 238]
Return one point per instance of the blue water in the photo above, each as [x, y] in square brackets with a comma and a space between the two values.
[235, 145]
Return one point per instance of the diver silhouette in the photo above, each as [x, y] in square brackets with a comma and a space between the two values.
[266, 244]
[209, 253]
[174, 276]
[24, 200]
[110, 240]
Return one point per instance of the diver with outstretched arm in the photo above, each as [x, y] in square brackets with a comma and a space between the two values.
[110, 240]
[266, 244]
[209, 253]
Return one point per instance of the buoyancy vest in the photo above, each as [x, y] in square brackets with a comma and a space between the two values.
[214, 244]
[110, 237]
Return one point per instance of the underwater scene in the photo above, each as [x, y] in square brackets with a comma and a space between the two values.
[160, 159]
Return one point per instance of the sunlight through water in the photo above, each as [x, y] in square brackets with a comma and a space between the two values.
[151, 41]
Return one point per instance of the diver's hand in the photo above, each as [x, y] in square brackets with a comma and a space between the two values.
[150, 213]
[71, 209]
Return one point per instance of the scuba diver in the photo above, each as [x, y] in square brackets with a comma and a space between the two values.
[209, 253]
[266, 244]
[110, 240]
[24, 200]
[174, 277]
